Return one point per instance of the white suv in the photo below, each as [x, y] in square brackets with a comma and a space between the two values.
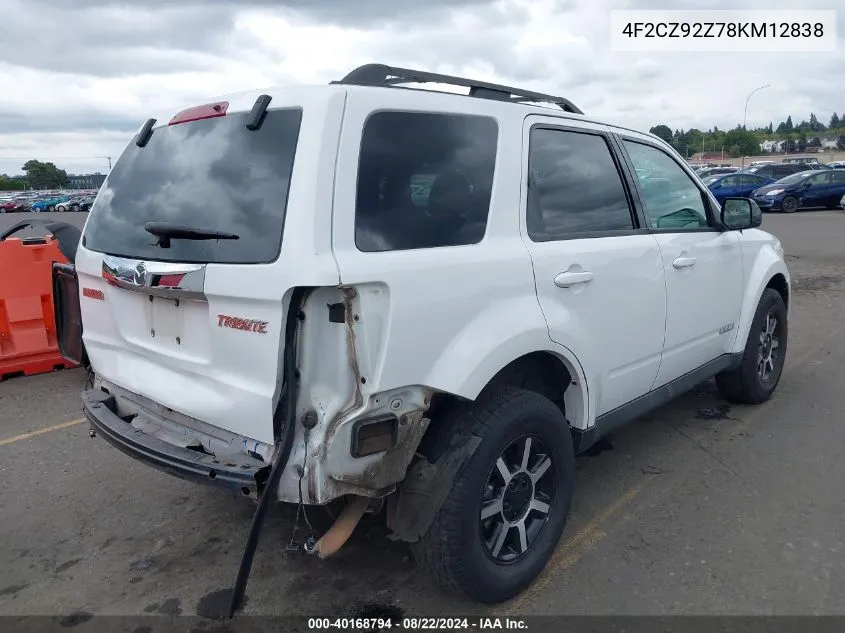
[412, 300]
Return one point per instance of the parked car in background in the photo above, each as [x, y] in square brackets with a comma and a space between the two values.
[776, 171]
[837, 164]
[9, 204]
[78, 203]
[48, 203]
[717, 171]
[803, 160]
[818, 166]
[739, 185]
[806, 189]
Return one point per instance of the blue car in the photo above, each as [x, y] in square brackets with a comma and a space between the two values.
[805, 189]
[735, 185]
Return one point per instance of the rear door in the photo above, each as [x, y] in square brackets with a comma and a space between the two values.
[598, 273]
[196, 324]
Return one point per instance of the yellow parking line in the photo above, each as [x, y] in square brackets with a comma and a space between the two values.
[55, 427]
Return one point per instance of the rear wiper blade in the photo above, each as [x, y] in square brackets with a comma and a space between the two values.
[165, 231]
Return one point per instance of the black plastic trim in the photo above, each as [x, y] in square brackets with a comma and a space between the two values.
[145, 133]
[611, 421]
[389, 76]
[183, 463]
[258, 112]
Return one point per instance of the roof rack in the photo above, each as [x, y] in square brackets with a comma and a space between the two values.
[382, 75]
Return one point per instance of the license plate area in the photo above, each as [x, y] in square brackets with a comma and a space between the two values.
[166, 319]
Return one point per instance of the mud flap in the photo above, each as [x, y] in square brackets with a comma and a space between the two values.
[425, 489]
[68, 314]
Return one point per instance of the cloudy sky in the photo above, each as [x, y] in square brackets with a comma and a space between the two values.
[77, 77]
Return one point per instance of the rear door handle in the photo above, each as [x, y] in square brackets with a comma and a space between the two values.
[683, 262]
[565, 280]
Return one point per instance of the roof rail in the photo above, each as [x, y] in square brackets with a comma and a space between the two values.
[382, 75]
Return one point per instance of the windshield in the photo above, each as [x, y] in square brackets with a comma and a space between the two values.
[793, 179]
[210, 175]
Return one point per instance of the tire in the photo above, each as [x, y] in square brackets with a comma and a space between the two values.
[60, 208]
[74, 208]
[789, 204]
[745, 385]
[51, 208]
[454, 548]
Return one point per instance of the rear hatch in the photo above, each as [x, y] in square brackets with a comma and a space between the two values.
[183, 276]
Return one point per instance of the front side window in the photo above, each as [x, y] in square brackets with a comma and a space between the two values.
[671, 199]
[574, 186]
[424, 180]
[820, 179]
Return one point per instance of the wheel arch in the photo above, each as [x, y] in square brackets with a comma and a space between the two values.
[768, 271]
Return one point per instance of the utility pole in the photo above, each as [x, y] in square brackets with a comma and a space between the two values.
[745, 114]
[109, 159]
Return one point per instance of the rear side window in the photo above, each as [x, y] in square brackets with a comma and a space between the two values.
[213, 175]
[573, 186]
[424, 180]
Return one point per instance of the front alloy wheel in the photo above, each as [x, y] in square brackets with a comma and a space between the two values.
[768, 354]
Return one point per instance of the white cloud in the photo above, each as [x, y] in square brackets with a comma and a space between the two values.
[78, 85]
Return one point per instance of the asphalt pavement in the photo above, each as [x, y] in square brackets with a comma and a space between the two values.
[698, 508]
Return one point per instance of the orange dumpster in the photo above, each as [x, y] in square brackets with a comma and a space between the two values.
[27, 324]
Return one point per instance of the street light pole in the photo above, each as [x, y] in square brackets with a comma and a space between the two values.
[745, 114]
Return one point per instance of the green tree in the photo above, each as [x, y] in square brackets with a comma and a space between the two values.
[662, 131]
[11, 184]
[815, 125]
[834, 121]
[740, 141]
[44, 175]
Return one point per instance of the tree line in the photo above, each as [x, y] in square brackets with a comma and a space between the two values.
[37, 175]
[740, 141]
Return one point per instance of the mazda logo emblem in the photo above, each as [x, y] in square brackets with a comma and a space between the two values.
[140, 275]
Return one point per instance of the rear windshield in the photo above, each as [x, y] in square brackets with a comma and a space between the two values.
[212, 175]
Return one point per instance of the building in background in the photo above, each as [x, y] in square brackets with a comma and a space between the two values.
[88, 181]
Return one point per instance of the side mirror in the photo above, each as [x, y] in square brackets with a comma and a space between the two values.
[741, 213]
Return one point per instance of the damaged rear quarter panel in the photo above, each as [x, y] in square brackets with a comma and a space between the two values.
[339, 364]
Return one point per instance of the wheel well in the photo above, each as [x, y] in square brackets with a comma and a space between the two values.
[778, 283]
[541, 372]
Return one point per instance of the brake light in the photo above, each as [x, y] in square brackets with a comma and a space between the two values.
[207, 111]
[170, 281]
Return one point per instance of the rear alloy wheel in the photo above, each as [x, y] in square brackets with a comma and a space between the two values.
[75, 207]
[763, 359]
[51, 208]
[509, 503]
[789, 204]
[60, 208]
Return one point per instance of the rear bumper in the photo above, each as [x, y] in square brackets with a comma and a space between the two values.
[242, 477]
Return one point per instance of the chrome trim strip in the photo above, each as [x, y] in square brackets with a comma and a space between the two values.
[141, 276]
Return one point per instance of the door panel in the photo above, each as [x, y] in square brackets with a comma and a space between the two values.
[704, 280]
[599, 276]
[703, 265]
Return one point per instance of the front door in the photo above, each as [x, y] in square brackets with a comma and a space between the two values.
[598, 274]
[703, 263]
